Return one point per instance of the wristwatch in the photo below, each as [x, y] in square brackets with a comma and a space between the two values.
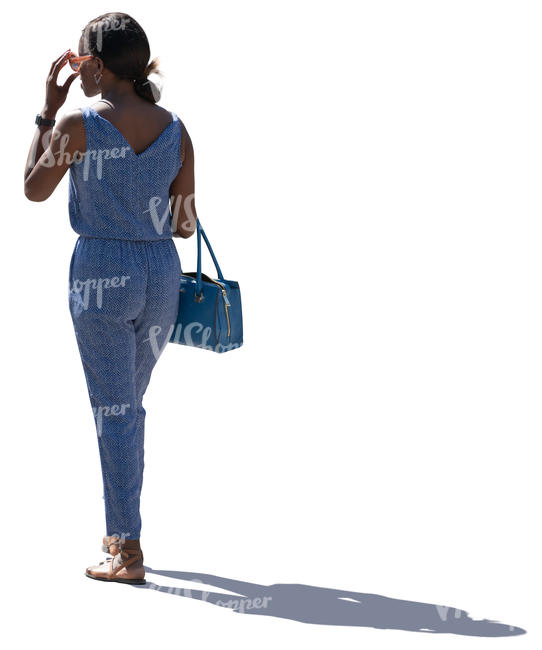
[41, 120]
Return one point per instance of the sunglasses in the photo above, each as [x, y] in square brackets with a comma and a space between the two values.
[75, 61]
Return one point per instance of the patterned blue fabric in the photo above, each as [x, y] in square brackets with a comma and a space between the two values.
[114, 192]
[124, 283]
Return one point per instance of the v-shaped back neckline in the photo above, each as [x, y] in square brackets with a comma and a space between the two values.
[155, 141]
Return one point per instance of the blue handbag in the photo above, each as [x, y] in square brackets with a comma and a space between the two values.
[210, 315]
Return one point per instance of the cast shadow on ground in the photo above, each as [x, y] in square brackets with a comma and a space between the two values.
[323, 606]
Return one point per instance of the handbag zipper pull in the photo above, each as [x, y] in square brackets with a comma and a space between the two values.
[226, 299]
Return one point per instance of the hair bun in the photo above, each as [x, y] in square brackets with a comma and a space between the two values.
[152, 67]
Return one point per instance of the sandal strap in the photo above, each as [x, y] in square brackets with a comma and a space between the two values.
[113, 572]
[119, 545]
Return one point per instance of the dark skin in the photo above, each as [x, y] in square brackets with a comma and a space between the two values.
[139, 121]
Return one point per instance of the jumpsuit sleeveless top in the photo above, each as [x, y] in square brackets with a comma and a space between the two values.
[116, 193]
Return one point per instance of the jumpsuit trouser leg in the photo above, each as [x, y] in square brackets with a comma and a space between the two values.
[124, 297]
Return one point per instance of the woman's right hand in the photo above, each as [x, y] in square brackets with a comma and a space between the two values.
[55, 95]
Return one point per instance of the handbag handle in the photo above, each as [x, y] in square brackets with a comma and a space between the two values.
[200, 232]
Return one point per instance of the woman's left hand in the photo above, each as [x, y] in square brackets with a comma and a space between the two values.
[55, 95]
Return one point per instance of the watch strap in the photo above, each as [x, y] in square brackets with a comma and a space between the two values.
[42, 121]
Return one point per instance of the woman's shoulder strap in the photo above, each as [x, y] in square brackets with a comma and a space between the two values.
[86, 110]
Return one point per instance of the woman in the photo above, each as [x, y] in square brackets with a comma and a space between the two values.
[127, 157]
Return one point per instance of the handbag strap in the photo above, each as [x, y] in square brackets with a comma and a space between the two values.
[201, 232]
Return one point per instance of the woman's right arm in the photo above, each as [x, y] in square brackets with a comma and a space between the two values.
[181, 191]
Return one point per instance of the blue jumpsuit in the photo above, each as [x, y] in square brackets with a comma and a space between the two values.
[124, 281]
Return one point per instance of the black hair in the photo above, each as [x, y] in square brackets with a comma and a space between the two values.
[120, 42]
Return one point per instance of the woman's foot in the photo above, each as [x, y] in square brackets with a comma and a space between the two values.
[126, 565]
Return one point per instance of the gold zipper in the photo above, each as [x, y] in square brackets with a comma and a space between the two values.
[227, 303]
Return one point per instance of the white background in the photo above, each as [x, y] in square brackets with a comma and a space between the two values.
[370, 174]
